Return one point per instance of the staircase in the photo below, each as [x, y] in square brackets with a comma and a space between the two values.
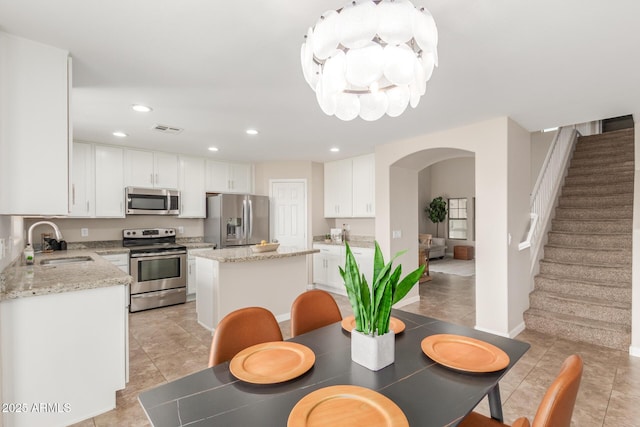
[583, 291]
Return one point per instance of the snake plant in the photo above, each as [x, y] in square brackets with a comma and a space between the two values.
[372, 305]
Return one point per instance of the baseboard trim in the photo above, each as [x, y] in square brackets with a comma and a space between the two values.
[517, 330]
[491, 331]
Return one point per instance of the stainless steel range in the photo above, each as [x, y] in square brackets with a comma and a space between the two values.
[158, 266]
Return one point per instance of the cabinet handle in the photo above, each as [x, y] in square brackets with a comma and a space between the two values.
[151, 177]
[87, 206]
[157, 180]
[73, 194]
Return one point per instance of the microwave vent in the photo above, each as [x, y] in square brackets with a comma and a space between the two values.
[167, 129]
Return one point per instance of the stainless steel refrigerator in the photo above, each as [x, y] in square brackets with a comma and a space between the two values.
[236, 220]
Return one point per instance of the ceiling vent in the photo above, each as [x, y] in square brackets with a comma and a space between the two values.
[167, 129]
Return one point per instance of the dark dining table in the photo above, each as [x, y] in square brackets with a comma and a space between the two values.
[428, 393]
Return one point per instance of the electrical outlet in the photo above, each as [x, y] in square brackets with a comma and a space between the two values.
[180, 230]
[397, 234]
[84, 232]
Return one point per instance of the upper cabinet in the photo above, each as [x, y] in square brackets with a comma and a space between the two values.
[82, 184]
[223, 177]
[109, 176]
[148, 169]
[364, 186]
[349, 188]
[35, 139]
[338, 191]
[192, 187]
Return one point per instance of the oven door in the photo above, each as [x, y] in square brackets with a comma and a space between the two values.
[152, 272]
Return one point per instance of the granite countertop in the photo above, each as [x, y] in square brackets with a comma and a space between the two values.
[19, 281]
[244, 254]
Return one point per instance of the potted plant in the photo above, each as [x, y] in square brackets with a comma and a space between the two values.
[372, 343]
[437, 212]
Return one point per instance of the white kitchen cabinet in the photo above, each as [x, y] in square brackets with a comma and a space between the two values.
[338, 192]
[82, 183]
[119, 260]
[191, 274]
[224, 177]
[149, 169]
[325, 267]
[109, 181]
[192, 187]
[65, 349]
[35, 141]
[364, 186]
[364, 259]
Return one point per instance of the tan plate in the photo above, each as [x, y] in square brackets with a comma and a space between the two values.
[464, 353]
[272, 362]
[396, 325]
[265, 248]
[346, 406]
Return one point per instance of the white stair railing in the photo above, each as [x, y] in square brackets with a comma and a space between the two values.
[545, 192]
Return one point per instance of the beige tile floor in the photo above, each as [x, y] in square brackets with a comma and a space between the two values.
[168, 343]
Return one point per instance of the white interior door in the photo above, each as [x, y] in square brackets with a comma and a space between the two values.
[289, 212]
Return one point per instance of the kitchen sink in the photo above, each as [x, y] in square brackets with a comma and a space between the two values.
[67, 260]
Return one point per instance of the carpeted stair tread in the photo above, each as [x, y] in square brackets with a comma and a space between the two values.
[611, 291]
[598, 226]
[589, 255]
[598, 189]
[575, 328]
[616, 212]
[612, 284]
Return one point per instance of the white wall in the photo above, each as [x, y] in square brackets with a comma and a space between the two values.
[540, 143]
[489, 140]
[635, 282]
[111, 228]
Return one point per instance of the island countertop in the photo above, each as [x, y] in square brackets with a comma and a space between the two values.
[19, 281]
[245, 254]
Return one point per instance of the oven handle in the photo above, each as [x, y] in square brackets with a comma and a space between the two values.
[155, 293]
[158, 255]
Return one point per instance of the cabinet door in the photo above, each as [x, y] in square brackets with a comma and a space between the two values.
[364, 259]
[240, 178]
[217, 176]
[165, 170]
[138, 168]
[35, 132]
[338, 189]
[364, 177]
[320, 269]
[191, 185]
[82, 184]
[109, 181]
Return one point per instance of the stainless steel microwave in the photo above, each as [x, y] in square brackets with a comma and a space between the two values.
[149, 201]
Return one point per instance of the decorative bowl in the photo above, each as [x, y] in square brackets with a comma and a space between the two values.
[267, 247]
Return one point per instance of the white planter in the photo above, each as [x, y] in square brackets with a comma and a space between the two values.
[373, 351]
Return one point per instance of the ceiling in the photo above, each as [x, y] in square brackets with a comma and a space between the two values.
[218, 68]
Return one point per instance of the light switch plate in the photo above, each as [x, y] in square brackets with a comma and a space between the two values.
[84, 232]
[397, 234]
[180, 230]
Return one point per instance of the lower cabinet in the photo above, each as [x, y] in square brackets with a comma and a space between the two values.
[63, 355]
[326, 263]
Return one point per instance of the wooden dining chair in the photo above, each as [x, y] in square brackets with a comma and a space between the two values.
[556, 407]
[241, 329]
[312, 310]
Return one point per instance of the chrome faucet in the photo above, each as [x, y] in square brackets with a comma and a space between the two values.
[30, 232]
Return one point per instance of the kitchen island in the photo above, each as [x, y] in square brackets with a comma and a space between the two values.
[63, 338]
[233, 278]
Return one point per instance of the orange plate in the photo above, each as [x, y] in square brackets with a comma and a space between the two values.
[346, 406]
[396, 325]
[464, 353]
[272, 362]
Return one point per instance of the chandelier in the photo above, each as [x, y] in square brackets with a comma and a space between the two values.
[370, 58]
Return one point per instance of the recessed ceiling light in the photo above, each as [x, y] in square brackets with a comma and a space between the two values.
[120, 134]
[141, 108]
[334, 149]
[213, 148]
[251, 132]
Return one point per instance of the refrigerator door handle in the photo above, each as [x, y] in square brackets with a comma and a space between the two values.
[250, 216]
[245, 216]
